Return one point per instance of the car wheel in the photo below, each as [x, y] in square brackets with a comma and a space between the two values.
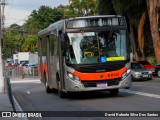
[159, 73]
[149, 78]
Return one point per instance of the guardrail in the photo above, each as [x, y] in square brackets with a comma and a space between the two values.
[22, 71]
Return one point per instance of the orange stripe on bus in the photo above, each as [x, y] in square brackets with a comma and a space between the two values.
[100, 76]
[44, 66]
[39, 70]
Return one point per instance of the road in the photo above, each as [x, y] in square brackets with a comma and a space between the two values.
[142, 96]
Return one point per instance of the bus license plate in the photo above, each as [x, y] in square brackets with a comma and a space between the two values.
[103, 84]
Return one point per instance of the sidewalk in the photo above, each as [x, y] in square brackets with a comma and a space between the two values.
[5, 103]
[5, 106]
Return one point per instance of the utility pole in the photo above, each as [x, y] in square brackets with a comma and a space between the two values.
[2, 17]
[2, 86]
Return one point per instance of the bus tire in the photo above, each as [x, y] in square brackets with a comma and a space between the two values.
[114, 91]
[48, 90]
[61, 94]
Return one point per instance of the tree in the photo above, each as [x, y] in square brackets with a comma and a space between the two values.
[43, 18]
[105, 7]
[153, 9]
[12, 41]
[82, 7]
[30, 44]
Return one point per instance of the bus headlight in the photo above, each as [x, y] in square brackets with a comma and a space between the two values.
[125, 74]
[73, 77]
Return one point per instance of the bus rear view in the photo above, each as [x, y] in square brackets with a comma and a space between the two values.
[93, 55]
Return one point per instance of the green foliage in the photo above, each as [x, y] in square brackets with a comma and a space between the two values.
[30, 43]
[12, 41]
[81, 7]
[105, 7]
[43, 18]
[153, 61]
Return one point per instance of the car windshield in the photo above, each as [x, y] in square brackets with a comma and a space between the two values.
[136, 66]
[93, 47]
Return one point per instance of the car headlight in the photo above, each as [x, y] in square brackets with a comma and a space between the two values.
[137, 73]
[125, 74]
[73, 77]
[150, 72]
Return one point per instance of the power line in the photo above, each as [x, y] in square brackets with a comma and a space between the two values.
[19, 20]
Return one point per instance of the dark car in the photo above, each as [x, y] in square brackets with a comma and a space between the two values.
[157, 69]
[148, 66]
[139, 72]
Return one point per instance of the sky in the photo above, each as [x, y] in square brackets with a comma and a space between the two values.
[17, 11]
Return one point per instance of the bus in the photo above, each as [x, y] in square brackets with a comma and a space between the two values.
[90, 53]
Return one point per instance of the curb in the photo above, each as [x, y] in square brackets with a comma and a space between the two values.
[18, 107]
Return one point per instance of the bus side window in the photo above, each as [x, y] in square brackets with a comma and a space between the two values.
[44, 47]
[53, 44]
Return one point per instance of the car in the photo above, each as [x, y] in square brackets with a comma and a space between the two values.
[157, 69]
[148, 66]
[138, 72]
[11, 66]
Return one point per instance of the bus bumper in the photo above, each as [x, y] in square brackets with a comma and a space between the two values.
[78, 86]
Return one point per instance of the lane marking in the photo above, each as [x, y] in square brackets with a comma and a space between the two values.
[147, 86]
[27, 81]
[140, 93]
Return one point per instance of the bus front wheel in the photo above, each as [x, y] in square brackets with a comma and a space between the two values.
[60, 92]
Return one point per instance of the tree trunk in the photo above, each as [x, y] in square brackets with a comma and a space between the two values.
[153, 6]
[134, 48]
[141, 34]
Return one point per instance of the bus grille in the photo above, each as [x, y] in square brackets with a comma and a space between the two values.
[94, 83]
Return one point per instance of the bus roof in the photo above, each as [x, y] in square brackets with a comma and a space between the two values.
[97, 16]
[59, 25]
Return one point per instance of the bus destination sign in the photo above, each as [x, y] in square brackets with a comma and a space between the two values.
[96, 22]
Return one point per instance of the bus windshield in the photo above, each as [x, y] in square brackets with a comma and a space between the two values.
[96, 47]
